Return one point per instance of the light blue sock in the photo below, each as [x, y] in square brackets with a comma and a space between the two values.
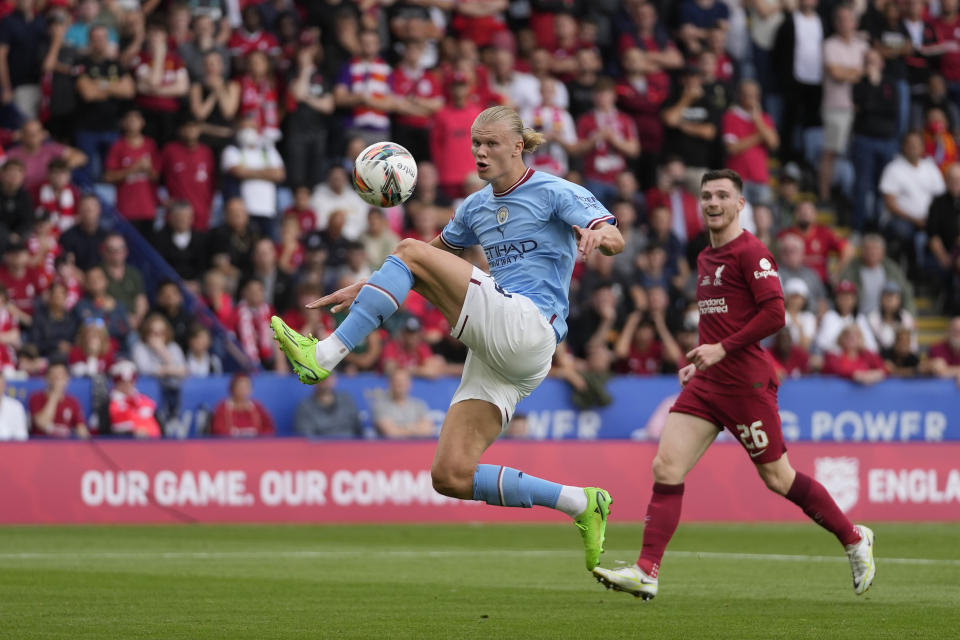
[379, 298]
[508, 487]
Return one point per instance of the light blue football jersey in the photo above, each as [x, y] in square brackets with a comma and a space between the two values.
[527, 234]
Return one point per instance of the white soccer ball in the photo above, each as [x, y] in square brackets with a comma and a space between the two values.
[385, 174]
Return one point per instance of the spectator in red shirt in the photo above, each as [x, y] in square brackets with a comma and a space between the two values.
[640, 94]
[947, 31]
[188, 169]
[9, 334]
[646, 32]
[36, 152]
[162, 81]
[479, 20]
[749, 136]
[854, 361]
[259, 97]
[417, 97]
[239, 415]
[608, 138]
[251, 37]
[638, 350]
[131, 412]
[23, 284]
[789, 360]
[253, 325]
[450, 139]
[57, 196]
[411, 352]
[217, 299]
[820, 242]
[302, 209]
[944, 357]
[133, 164]
[671, 193]
[54, 413]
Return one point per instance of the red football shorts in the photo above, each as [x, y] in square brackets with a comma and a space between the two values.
[753, 418]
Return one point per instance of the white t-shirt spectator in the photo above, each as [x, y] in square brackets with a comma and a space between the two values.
[808, 52]
[523, 90]
[913, 187]
[551, 157]
[838, 52]
[13, 419]
[260, 196]
[325, 200]
[832, 323]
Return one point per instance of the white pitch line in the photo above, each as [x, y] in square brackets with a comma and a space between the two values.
[416, 553]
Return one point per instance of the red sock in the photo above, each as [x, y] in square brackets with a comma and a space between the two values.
[663, 516]
[816, 502]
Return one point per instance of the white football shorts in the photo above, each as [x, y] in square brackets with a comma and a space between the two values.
[510, 344]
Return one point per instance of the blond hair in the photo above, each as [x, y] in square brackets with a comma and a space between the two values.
[531, 139]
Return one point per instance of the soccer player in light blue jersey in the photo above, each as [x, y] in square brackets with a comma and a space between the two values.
[532, 226]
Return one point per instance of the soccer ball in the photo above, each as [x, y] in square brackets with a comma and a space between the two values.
[384, 174]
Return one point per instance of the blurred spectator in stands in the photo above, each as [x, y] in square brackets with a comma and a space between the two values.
[397, 415]
[13, 418]
[309, 107]
[86, 18]
[789, 360]
[429, 194]
[201, 362]
[597, 321]
[55, 413]
[672, 194]
[214, 101]
[355, 267]
[125, 280]
[890, 315]
[168, 302]
[58, 67]
[83, 240]
[647, 33]
[289, 249]
[253, 162]
[820, 243]
[16, 205]
[157, 354]
[131, 412]
[302, 209]
[133, 164]
[57, 197]
[625, 262]
[853, 360]
[259, 98]
[943, 358]
[253, 324]
[22, 282]
[231, 244]
[801, 323]
[408, 350]
[608, 138]
[479, 20]
[693, 123]
[541, 68]
[938, 142]
[450, 139]
[697, 18]
[749, 135]
[798, 64]
[36, 151]
[278, 287]
[417, 97]
[66, 271]
[327, 413]
[765, 17]
[22, 35]
[638, 349]
[336, 194]
[580, 89]
[217, 298]
[787, 195]
[42, 245]
[195, 49]
[162, 81]
[845, 313]
[790, 258]
[640, 93]
[628, 189]
[9, 334]
[189, 171]
[901, 359]
[590, 387]
[103, 87]
[520, 90]
[935, 97]
[180, 245]
[883, 25]
[378, 240]
[908, 185]
[423, 225]
[558, 129]
[54, 326]
[98, 304]
[764, 228]
[872, 271]
[874, 138]
[251, 37]
[843, 56]
[363, 88]
[943, 226]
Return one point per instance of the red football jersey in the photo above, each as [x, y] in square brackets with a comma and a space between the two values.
[22, 291]
[732, 282]
[137, 194]
[66, 419]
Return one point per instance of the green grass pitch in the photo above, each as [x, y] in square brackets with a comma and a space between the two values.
[465, 581]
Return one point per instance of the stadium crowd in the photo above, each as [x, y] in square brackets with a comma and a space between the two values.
[222, 132]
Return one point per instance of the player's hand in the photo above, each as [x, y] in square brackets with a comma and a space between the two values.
[686, 374]
[706, 355]
[587, 241]
[341, 299]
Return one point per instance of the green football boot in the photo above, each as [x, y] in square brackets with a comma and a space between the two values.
[299, 351]
[592, 524]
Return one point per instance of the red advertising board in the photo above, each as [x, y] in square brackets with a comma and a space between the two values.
[292, 480]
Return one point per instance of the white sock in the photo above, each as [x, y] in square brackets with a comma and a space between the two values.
[330, 351]
[572, 501]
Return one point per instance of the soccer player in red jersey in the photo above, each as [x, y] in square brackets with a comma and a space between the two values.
[731, 383]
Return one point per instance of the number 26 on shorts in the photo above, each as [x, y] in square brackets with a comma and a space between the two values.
[754, 438]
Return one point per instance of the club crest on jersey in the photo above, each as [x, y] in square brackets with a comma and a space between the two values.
[716, 276]
[766, 270]
[502, 214]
